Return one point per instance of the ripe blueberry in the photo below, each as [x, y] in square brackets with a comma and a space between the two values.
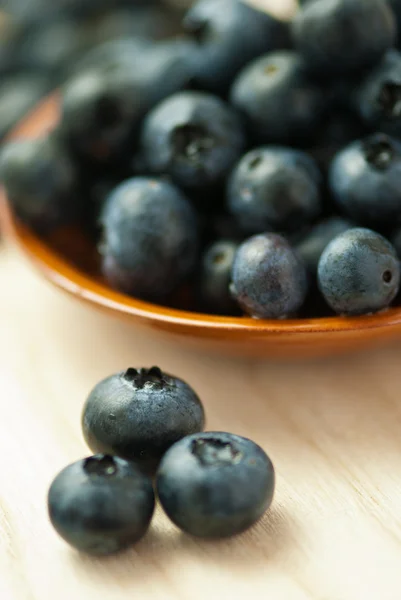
[268, 278]
[359, 272]
[139, 413]
[101, 504]
[215, 485]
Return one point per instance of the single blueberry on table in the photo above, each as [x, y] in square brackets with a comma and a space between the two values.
[215, 485]
[139, 413]
[150, 238]
[342, 36]
[215, 277]
[359, 272]
[194, 137]
[40, 181]
[269, 280]
[274, 188]
[229, 34]
[378, 97]
[365, 180]
[312, 245]
[101, 504]
[279, 101]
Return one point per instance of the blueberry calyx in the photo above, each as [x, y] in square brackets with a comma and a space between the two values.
[387, 276]
[103, 465]
[379, 152]
[213, 452]
[389, 100]
[199, 29]
[140, 377]
[191, 142]
[255, 162]
[107, 113]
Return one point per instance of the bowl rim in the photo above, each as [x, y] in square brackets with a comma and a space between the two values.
[77, 283]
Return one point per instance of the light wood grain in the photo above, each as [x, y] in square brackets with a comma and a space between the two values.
[332, 429]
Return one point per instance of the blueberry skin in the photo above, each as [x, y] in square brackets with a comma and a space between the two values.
[269, 280]
[278, 100]
[215, 485]
[378, 97]
[274, 188]
[359, 273]
[101, 504]
[311, 247]
[150, 237]
[194, 137]
[216, 26]
[139, 413]
[396, 241]
[40, 181]
[102, 108]
[215, 277]
[342, 36]
[364, 180]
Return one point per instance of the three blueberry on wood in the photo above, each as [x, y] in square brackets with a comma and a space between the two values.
[144, 422]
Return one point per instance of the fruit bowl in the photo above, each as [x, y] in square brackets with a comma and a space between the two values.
[69, 261]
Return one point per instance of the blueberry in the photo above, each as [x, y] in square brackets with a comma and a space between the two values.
[340, 129]
[215, 277]
[378, 97]
[102, 108]
[215, 485]
[101, 504]
[40, 182]
[279, 101]
[52, 45]
[138, 414]
[150, 237]
[217, 26]
[364, 179]
[274, 188]
[342, 36]
[359, 272]
[311, 247]
[268, 278]
[194, 137]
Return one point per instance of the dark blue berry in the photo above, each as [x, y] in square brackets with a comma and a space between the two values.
[102, 108]
[40, 181]
[396, 241]
[138, 414]
[341, 36]
[218, 27]
[340, 129]
[150, 237]
[359, 272]
[269, 280]
[194, 137]
[274, 188]
[101, 504]
[215, 277]
[365, 180]
[378, 97]
[215, 485]
[279, 101]
[312, 245]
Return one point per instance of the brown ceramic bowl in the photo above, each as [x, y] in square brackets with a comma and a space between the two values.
[69, 261]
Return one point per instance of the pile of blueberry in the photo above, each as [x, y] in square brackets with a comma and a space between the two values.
[41, 42]
[247, 166]
[144, 423]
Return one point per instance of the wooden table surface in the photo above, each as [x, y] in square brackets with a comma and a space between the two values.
[332, 428]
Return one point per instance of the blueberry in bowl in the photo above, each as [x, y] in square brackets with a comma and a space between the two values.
[206, 212]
